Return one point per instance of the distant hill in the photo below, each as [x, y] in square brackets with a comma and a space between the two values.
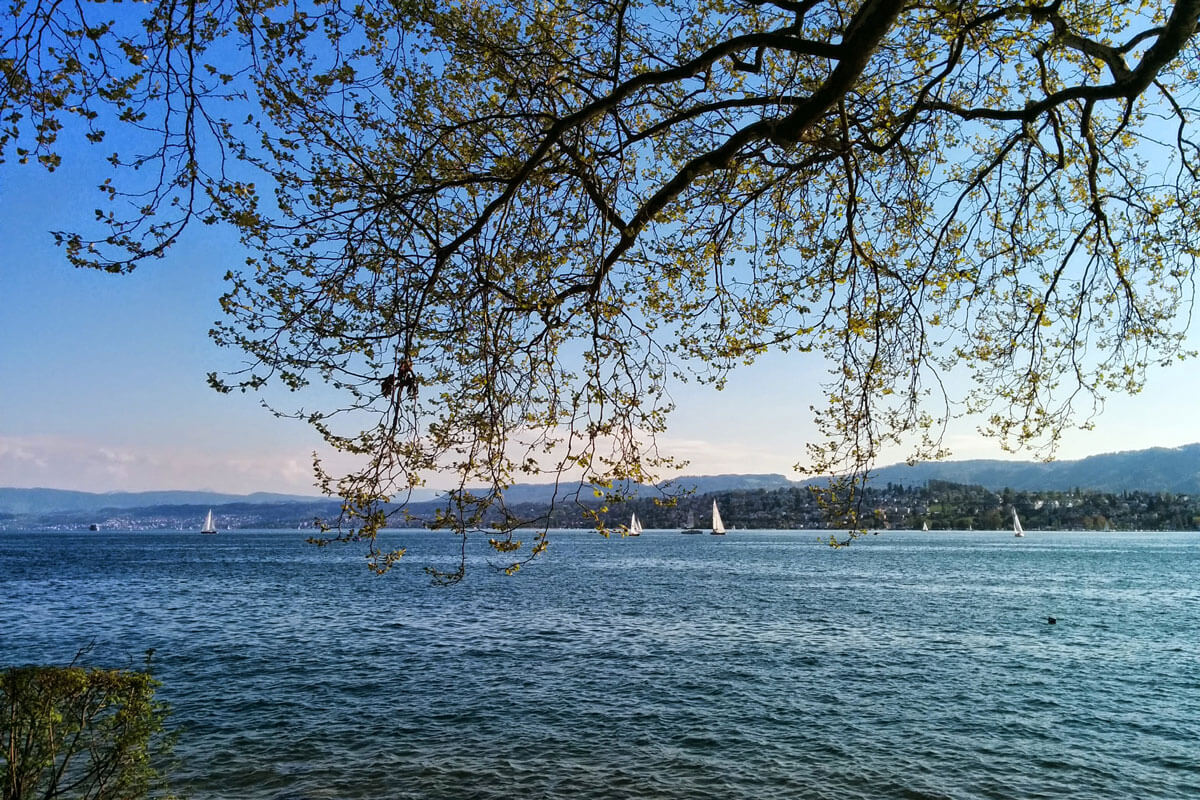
[38, 501]
[697, 484]
[706, 484]
[1158, 469]
[1175, 470]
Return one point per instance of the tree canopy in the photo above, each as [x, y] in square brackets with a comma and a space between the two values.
[503, 230]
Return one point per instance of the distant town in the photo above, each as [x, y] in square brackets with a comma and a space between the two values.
[939, 505]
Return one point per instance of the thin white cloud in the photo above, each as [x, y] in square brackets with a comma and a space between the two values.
[20, 456]
[69, 463]
[712, 457]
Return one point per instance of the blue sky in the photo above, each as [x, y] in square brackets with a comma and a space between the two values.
[102, 377]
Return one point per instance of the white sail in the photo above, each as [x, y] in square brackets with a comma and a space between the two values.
[1017, 529]
[635, 527]
[924, 526]
[209, 527]
[718, 527]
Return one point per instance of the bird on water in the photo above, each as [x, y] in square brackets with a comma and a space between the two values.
[1052, 620]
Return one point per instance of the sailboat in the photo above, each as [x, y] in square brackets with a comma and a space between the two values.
[635, 527]
[209, 527]
[718, 528]
[691, 524]
[924, 526]
[1018, 531]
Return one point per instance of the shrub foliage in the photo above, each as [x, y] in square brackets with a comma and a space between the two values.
[80, 733]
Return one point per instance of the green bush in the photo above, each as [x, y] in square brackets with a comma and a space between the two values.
[80, 734]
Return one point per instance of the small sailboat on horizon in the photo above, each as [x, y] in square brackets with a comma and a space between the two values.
[635, 527]
[1018, 531]
[718, 527]
[209, 526]
[691, 524]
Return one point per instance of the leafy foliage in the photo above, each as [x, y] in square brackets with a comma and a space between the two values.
[82, 734]
[502, 231]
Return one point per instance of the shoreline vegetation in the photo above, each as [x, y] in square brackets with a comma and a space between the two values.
[941, 505]
[84, 733]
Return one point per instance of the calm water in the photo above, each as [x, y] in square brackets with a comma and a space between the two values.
[761, 665]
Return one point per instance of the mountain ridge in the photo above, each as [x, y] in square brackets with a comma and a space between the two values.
[1159, 469]
[41, 499]
[1155, 469]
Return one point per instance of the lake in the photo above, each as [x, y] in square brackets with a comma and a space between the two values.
[756, 665]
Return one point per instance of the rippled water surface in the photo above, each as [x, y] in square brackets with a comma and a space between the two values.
[760, 665]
